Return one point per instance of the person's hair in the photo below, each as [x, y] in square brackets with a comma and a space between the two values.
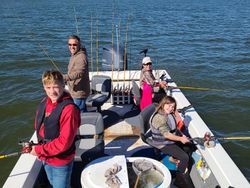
[76, 38]
[52, 77]
[165, 100]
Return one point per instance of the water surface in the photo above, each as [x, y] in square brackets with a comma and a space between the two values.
[200, 43]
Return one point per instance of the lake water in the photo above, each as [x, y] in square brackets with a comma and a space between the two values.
[203, 43]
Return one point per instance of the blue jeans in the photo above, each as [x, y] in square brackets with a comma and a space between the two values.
[59, 176]
[81, 104]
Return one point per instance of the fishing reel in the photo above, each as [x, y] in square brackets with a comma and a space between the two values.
[26, 146]
[207, 141]
[164, 77]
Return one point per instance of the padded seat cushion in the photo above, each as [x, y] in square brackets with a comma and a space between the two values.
[90, 136]
[96, 99]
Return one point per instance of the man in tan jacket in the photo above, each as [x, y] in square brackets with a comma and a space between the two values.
[77, 77]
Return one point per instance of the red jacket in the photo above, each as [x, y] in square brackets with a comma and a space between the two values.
[69, 123]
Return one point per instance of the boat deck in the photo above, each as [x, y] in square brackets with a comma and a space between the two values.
[122, 129]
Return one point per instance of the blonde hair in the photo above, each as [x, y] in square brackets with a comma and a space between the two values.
[166, 100]
[52, 77]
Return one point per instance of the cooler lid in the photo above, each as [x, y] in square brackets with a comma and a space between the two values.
[93, 176]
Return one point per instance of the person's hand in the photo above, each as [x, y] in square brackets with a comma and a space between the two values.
[163, 84]
[33, 152]
[66, 77]
[184, 139]
[26, 149]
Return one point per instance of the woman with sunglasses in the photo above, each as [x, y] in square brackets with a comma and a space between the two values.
[151, 89]
[171, 141]
[77, 78]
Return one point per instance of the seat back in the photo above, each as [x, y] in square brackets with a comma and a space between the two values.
[146, 133]
[101, 84]
[145, 115]
[136, 92]
[90, 140]
[101, 91]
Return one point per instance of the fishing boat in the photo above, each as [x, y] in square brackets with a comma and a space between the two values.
[116, 126]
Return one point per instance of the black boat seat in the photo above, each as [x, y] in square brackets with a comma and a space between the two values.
[146, 134]
[145, 115]
[101, 91]
[90, 142]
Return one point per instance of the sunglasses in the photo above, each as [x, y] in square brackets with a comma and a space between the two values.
[148, 64]
[72, 44]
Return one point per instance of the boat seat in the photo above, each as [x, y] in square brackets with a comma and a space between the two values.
[90, 142]
[136, 93]
[146, 134]
[101, 91]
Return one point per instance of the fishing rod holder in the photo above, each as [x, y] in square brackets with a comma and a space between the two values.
[121, 95]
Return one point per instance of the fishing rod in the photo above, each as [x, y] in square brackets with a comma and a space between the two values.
[112, 43]
[91, 43]
[26, 148]
[234, 138]
[118, 50]
[43, 49]
[77, 30]
[194, 88]
[125, 50]
[210, 141]
[164, 78]
[10, 155]
[97, 44]
[53, 63]
[125, 55]
[130, 58]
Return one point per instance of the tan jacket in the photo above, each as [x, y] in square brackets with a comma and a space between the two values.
[77, 77]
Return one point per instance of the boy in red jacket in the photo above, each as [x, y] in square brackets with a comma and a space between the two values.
[56, 124]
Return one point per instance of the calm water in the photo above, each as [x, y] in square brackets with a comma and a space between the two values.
[201, 43]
